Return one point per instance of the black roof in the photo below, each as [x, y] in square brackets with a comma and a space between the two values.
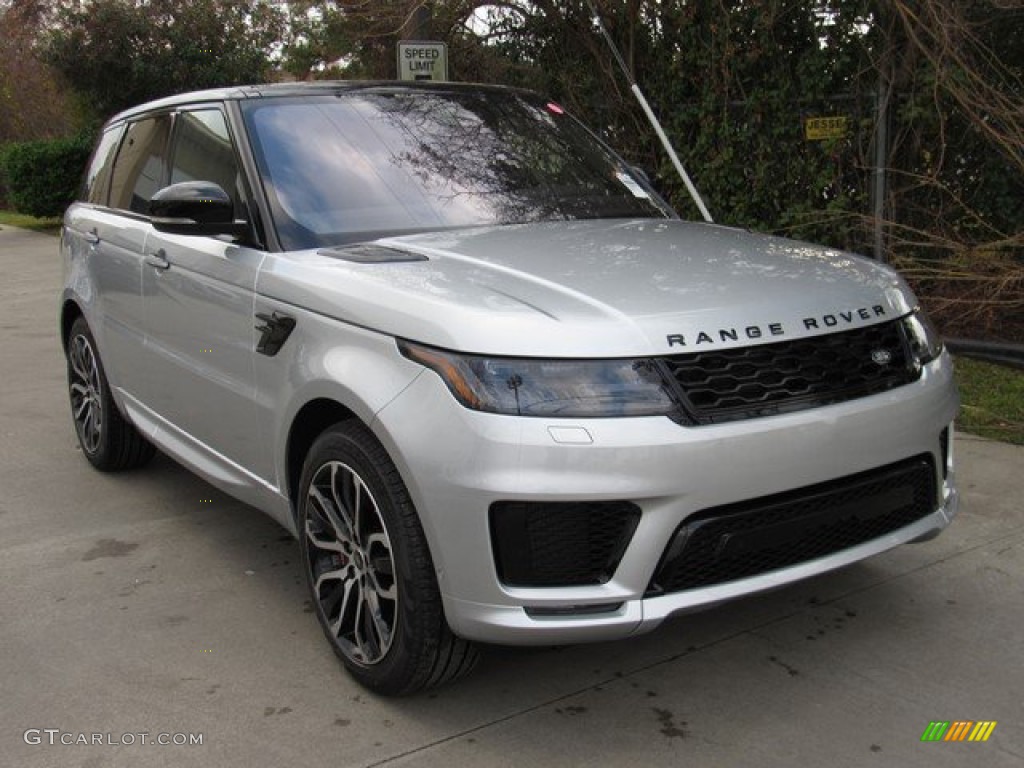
[270, 90]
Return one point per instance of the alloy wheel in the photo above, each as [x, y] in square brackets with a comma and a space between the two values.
[86, 393]
[351, 562]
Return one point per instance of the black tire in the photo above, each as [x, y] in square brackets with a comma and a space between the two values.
[107, 439]
[363, 546]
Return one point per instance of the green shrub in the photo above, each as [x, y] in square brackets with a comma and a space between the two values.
[4, 204]
[42, 177]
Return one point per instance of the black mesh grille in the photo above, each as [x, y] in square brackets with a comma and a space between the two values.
[741, 540]
[560, 544]
[744, 383]
[944, 451]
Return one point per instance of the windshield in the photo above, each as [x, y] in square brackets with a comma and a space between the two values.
[368, 163]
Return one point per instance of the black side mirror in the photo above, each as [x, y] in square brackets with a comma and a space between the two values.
[195, 208]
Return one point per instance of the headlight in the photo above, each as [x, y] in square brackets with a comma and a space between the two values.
[925, 342]
[558, 388]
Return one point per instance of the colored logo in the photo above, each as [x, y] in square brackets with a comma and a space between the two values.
[958, 730]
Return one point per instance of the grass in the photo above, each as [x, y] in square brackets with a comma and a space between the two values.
[992, 400]
[48, 225]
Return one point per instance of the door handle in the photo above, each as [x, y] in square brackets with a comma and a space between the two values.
[158, 260]
[92, 237]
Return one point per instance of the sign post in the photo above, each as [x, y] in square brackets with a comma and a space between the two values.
[422, 61]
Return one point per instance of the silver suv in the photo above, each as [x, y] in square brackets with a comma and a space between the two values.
[493, 384]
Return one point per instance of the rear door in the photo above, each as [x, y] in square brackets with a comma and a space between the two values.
[106, 234]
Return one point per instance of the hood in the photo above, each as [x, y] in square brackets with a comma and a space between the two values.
[591, 288]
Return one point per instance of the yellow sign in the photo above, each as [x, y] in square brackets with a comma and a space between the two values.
[822, 128]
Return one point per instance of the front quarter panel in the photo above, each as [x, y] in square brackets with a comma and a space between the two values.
[323, 359]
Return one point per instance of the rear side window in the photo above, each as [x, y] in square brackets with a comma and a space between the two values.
[97, 178]
[139, 169]
[203, 152]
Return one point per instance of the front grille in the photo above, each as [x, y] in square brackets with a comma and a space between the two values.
[560, 544]
[744, 383]
[737, 541]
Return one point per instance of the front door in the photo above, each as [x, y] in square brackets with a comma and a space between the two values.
[198, 296]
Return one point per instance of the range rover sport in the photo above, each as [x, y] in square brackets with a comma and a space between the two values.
[498, 390]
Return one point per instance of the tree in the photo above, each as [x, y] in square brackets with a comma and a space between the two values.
[118, 53]
[955, 218]
[33, 103]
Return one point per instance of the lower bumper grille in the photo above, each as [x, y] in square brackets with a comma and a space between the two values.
[749, 538]
[559, 544]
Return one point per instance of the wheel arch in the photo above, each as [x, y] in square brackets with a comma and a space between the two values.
[69, 312]
[316, 415]
[309, 423]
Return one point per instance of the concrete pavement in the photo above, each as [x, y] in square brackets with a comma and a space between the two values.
[151, 602]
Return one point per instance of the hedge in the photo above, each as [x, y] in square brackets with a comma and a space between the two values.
[42, 178]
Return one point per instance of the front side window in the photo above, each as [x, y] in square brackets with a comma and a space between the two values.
[97, 178]
[203, 152]
[359, 165]
[139, 169]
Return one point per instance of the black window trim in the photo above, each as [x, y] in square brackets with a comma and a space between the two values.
[259, 208]
[255, 239]
[120, 144]
[255, 202]
[83, 193]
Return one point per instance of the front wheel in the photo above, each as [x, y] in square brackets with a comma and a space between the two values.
[369, 570]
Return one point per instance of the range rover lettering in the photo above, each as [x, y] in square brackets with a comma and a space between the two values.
[496, 387]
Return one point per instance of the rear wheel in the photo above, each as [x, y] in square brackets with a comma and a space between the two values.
[108, 440]
[369, 570]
